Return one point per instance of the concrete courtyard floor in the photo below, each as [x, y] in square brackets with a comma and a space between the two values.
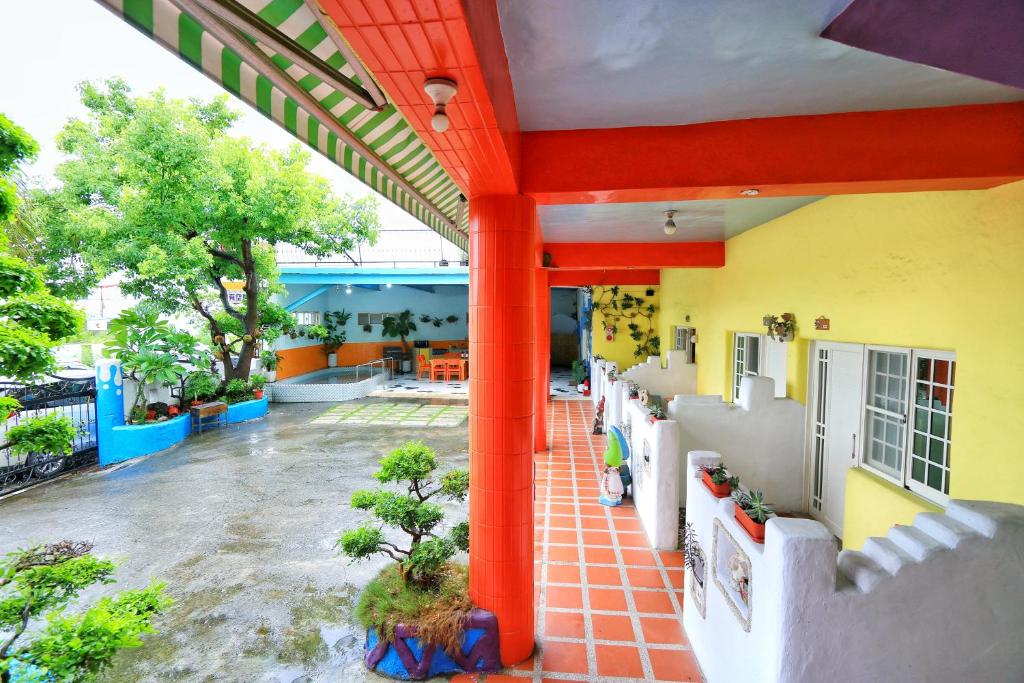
[240, 523]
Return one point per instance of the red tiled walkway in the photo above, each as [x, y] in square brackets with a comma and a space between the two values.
[609, 608]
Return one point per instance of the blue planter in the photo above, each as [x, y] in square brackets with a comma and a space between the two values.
[247, 410]
[123, 442]
[409, 659]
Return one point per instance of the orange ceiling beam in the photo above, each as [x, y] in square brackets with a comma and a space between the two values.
[634, 255]
[940, 148]
[589, 278]
[405, 42]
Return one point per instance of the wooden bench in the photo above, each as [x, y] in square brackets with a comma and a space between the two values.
[213, 414]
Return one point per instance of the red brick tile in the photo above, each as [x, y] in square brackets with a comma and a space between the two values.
[675, 577]
[564, 624]
[599, 555]
[608, 599]
[671, 558]
[674, 665]
[562, 536]
[524, 666]
[656, 602]
[666, 631]
[628, 524]
[603, 576]
[563, 573]
[562, 522]
[597, 538]
[594, 523]
[564, 596]
[561, 553]
[632, 539]
[645, 578]
[619, 661]
[570, 658]
[612, 627]
[638, 557]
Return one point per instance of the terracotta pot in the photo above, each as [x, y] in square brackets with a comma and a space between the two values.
[150, 414]
[258, 394]
[586, 392]
[196, 402]
[753, 529]
[172, 411]
[723, 490]
[652, 419]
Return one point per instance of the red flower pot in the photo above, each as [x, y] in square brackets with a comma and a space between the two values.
[755, 530]
[150, 414]
[196, 402]
[723, 490]
[258, 394]
[172, 411]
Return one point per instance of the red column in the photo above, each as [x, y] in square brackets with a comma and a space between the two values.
[542, 387]
[501, 396]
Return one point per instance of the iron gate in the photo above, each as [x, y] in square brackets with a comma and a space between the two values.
[74, 397]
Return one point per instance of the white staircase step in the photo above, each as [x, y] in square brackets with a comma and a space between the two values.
[860, 569]
[887, 554]
[915, 542]
[943, 528]
[983, 516]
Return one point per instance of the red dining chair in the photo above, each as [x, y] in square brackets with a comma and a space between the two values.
[438, 370]
[423, 369]
[453, 369]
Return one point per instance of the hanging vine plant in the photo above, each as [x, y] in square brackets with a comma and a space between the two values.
[615, 307]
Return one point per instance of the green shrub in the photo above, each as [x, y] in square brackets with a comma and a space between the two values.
[201, 385]
[257, 382]
[50, 435]
[8, 405]
[237, 390]
[36, 584]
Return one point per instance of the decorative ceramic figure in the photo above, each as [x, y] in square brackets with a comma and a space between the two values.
[599, 418]
[611, 482]
[739, 576]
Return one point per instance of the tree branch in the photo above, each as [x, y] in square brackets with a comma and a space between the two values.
[396, 548]
[26, 614]
[227, 256]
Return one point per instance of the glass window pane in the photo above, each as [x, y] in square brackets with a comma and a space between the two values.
[753, 351]
[938, 424]
[921, 419]
[941, 372]
[935, 477]
[740, 339]
[936, 451]
[920, 444]
[921, 394]
[917, 469]
[924, 368]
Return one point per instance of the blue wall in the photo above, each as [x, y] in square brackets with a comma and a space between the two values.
[445, 300]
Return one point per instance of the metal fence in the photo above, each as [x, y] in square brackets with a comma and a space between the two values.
[74, 397]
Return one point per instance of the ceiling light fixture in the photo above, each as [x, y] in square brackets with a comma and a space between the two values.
[670, 225]
[348, 289]
[440, 90]
[750, 192]
[389, 285]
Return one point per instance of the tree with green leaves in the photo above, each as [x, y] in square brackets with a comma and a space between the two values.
[32, 320]
[400, 326]
[37, 584]
[181, 209]
[412, 466]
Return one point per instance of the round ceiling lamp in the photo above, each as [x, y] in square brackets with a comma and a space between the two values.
[750, 192]
[670, 225]
[440, 90]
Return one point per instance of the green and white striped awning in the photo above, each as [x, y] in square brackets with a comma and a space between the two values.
[378, 147]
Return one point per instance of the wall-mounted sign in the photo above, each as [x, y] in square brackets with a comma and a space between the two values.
[236, 293]
[822, 323]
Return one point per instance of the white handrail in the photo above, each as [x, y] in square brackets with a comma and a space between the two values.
[381, 361]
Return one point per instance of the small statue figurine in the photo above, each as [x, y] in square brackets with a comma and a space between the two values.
[599, 418]
[611, 481]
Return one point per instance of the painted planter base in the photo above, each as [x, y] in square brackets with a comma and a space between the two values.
[409, 659]
[247, 410]
[753, 529]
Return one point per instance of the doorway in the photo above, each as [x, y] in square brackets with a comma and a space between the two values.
[835, 425]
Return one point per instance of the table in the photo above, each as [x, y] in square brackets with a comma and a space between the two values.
[212, 414]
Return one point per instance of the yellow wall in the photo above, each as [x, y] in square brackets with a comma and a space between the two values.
[622, 347]
[940, 270]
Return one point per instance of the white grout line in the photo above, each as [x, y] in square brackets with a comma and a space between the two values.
[588, 628]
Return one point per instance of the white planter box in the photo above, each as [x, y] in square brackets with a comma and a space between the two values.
[332, 360]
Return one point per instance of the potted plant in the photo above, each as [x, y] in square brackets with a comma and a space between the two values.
[417, 612]
[579, 373]
[172, 411]
[400, 326]
[200, 386]
[752, 512]
[718, 480]
[257, 382]
[657, 413]
[270, 360]
[237, 390]
[334, 334]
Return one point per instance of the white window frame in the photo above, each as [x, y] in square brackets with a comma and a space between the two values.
[905, 479]
[683, 341]
[739, 373]
[307, 317]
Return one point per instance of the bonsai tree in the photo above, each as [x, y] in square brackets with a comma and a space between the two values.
[189, 215]
[334, 334]
[41, 642]
[422, 587]
[400, 326]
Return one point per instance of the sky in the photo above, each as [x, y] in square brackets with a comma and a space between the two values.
[49, 46]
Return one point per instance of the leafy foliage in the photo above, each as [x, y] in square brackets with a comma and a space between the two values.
[38, 583]
[257, 382]
[51, 434]
[24, 353]
[400, 326]
[720, 475]
[237, 390]
[334, 334]
[182, 209]
[270, 360]
[8, 405]
[16, 145]
[411, 465]
[616, 306]
[200, 385]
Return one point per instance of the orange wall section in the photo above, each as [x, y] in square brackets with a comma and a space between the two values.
[302, 359]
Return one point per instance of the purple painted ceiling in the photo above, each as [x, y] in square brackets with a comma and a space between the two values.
[980, 38]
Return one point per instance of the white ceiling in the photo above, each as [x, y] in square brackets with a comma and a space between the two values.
[612, 63]
[710, 220]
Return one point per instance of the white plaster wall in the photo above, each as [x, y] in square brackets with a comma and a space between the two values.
[679, 377]
[655, 477]
[760, 437]
[938, 601]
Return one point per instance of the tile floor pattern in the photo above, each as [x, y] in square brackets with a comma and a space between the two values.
[609, 608]
[562, 386]
[394, 414]
[407, 386]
